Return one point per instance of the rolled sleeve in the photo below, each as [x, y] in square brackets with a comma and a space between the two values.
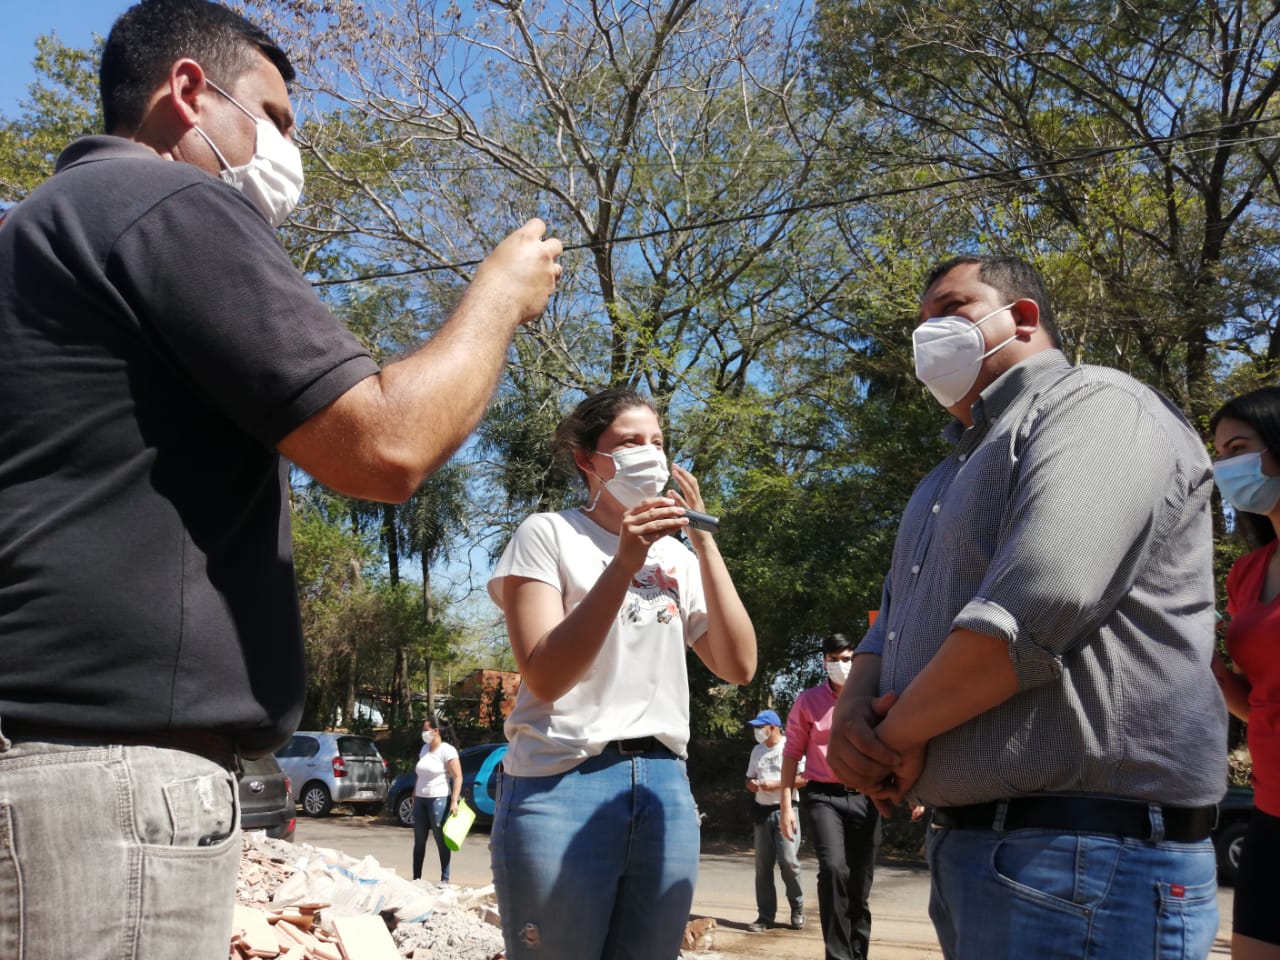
[1033, 664]
[1085, 504]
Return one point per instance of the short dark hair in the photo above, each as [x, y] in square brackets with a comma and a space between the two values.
[447, 732]
[1013, 277]
[150, 37]
[1260, 409]
[590, 418]
[836, 643]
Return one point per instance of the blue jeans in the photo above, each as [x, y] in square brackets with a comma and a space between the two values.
[772, 847]
[597, 862]
[429, 815]
[1048, 894]
[115, 853]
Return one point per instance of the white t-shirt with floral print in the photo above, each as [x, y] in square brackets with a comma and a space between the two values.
[638, 685]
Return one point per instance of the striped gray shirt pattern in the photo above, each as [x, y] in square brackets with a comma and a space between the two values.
[1072, 520]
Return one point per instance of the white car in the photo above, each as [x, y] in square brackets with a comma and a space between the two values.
[329, 768]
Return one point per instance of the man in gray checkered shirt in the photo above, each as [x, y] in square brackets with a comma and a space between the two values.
[1039, 672]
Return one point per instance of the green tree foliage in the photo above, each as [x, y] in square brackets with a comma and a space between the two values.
[1129, 148]
[750, 201]
[666, 144]
[334, 600]
[360, 628]
[623, 127]
[60, 106]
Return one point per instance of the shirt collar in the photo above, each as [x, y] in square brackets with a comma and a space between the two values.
[102, 147]
[1030, 374]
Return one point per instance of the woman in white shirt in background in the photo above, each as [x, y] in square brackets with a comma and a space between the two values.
[595, 839]
[435, 796]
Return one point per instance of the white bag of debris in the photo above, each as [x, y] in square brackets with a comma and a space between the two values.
[353, 886]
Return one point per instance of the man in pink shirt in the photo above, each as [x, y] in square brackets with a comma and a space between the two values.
[843, 823]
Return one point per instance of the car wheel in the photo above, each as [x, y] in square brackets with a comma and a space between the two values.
[315, 799]
[1228, 842]
[404, 809]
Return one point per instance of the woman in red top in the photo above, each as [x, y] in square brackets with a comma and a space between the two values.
[1246, 434]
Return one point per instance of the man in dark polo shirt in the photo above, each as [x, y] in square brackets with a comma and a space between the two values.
[161, 354]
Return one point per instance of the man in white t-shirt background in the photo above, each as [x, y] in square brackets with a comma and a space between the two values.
[764, 779]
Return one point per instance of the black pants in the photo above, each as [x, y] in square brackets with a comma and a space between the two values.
[1254, 913]
[845, 828]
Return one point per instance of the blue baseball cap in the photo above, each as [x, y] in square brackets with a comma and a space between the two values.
[765, 717]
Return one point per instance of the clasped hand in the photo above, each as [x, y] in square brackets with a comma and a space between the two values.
[862, 760]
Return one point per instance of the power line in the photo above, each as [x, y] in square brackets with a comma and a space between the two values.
[1018, 172]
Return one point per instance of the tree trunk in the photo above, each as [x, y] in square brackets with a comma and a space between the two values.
[349, 700]
[427, 619]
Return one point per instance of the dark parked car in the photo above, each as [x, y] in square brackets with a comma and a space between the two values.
[265, 800]
[329, 768]
[481, 765]
[1228, 835]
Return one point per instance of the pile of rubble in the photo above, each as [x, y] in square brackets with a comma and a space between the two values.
[299, 902]
[296, 901]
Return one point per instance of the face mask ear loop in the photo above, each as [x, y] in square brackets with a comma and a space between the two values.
[596, 498]
[999, 346]
[1012, 337]
[212, 146]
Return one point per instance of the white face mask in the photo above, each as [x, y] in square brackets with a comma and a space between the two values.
[272, 179]
[838, 670]
[639, 473]
[428, 736]
[949, 354]
[762, 734]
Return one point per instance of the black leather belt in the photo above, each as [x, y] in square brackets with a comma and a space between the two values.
[827, 787]
[218, 747]
[638, 745]
[1121, 818]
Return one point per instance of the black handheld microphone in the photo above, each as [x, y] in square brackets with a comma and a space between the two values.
[703, 521]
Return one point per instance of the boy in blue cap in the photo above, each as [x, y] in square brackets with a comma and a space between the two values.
[764, 779]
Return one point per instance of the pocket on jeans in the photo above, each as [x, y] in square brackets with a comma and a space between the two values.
[1044, 867]
[198, 812]
[1187, 922]
[10, 889]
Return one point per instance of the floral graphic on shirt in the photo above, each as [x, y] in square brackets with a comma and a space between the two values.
[654, 592]
[655, 578]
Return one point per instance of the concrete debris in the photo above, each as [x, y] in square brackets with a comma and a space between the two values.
[298, 902]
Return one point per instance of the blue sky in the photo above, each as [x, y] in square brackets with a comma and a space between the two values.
[74, 21]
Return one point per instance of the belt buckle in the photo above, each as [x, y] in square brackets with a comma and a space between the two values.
[640, 746]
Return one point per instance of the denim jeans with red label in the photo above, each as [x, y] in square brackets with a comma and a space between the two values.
[1065, 896]
[115, 853]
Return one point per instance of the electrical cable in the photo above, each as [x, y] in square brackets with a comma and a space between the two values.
[1019, 171]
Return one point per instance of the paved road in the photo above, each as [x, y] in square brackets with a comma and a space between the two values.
[726, 890]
